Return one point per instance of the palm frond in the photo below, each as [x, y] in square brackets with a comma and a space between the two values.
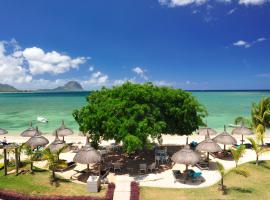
[239, 171]
[254, 145]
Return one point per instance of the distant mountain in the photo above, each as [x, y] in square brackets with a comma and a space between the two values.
[69, 86]
[7, 88]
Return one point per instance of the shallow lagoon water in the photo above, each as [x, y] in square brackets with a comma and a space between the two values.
[17, 109]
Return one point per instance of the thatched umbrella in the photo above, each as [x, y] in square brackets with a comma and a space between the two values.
[87, 155]
[206, 131]
[63, 131]
[57, 144]
[3, 131]
[242, 131]
[209, 146]
[225, 138]
[186, 156]
[37, 140]
[30, 132]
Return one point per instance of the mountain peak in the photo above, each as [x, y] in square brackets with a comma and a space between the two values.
[70, 86]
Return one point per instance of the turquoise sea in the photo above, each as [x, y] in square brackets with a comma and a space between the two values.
[17, 109]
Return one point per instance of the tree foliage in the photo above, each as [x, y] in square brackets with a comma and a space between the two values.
[260, 114]
[238, 153]
[258, 149]
[133, 113]
[223, 172]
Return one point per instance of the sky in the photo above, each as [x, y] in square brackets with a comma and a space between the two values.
[189, 44]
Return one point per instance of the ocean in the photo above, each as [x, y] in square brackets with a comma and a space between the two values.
[18, 109]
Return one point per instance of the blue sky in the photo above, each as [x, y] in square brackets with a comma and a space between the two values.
[190, 44]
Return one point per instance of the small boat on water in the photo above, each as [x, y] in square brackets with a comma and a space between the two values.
[234, 125]
[42, 119]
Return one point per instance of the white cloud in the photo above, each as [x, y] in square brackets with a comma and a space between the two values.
[91, 68]
[231, 11]
[53, 62]
[253, 2]
[175, 3]
[96, 79]
[11, 65]
[141, 72]
[242, 43]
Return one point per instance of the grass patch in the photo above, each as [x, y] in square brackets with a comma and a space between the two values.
[256, 186]
[38, 183]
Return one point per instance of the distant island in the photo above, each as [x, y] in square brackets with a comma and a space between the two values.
[71, 86]
[7, 88]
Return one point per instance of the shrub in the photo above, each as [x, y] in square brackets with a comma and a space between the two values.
[11, 195]
[134, 191]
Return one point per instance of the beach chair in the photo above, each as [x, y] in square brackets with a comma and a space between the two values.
[151, 167]
[142, 168]
[203, 165]
[195, 176]
[178, 176]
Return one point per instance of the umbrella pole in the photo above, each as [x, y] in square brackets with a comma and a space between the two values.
[87, 167]
[208, 157]
[224, 147]
[242, 139]
[187, 140]
[63, 139]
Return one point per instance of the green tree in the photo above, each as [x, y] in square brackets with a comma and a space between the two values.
[260, 114]
[223, 172]
[238, 153]
[258, 149]
[132, 113]
[53, 161]
[33, 155]
[243, 121]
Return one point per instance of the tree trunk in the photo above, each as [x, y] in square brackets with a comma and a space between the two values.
[222, 184]
[257, 160]
[31, 166]
[53, 175]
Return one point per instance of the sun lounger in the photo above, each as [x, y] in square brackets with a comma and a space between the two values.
[178, 176]
[203, 165]
[194, 176]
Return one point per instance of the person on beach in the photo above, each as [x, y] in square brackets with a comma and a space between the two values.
[4, 141]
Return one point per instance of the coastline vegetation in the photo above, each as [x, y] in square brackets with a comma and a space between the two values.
[131, 113]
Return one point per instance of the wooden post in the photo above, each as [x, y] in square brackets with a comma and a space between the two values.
[5, 161]
[17, 161]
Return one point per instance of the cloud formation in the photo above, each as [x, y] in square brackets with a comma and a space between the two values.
[19, 66]
[245, 44]
[53, 62]
[141, 72]
[175, 3]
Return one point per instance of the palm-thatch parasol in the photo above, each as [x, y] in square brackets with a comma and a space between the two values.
[63, 131]
[206, 131]
[3, 131]
[30, 132]
[225, 138]
[209, 146]
[57, 144]
[87, 155]
[186, 156]
[242, 131]
[37, 140]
